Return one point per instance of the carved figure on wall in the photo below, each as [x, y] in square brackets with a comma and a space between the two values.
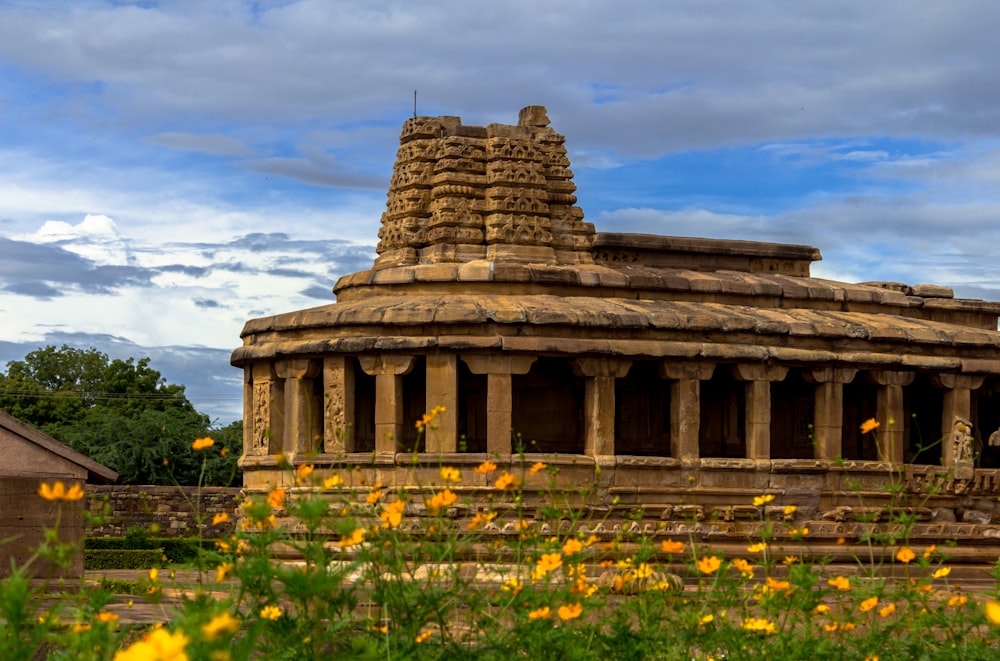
[962, 441]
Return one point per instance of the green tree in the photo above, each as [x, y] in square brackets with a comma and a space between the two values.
[121, 413]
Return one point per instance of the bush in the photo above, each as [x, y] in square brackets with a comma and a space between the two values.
[122, 558]
[176, 550]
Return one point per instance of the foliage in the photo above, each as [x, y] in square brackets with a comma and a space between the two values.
[175, 550]
[121, 558]
[424, 573]
[121, 413]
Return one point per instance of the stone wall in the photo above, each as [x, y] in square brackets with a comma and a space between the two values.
[161, 511]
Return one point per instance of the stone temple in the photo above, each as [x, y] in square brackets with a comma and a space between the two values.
[675, 378]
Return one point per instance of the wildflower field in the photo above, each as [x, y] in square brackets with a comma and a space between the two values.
[328, 569]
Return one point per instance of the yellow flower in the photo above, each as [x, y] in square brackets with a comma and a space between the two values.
[822, 609]
[572, 546]
[869, 425]
[868, 604]
[513, 586]
[450, 474]
[441, 499]
[107, 617]
[840, 582]
[485, 467]
[671, 546]
[941, 572]
[958, 600]
[992, 611]
[222, 571]
[759, 501]
[58, 491]
[874, 657]
[221, 517]
[759, 624]
[549, 562]
[392, 513]
[202, 443]
[270, 612]
[374, 494]
[905, 554]
[481, 519]
[353, 539]
[789, 560]
[303, 472]
[222, 623]
[705, 619]
[542, 613]
[757, 548]
[744, 567]
[570, 611]
[790, 510]
[709, 564]
[422, 637]
[536, 467]
[276, 498]
[507, 481]
[154, 573]
[159, 645]
[332, 482]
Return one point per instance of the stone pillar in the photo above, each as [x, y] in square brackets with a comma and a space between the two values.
[957, 404]
[499, 396]
[890, 412]
[338, 404]
[442, 390]
[758, 378]
[828, 414]
[267, 421]
[388, 371]
[599, 402]
[247, 407]
[299, 411]
[685, 405]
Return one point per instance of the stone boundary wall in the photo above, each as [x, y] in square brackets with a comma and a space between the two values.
[161, 511]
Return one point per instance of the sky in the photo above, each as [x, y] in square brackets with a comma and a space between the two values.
[170, 170]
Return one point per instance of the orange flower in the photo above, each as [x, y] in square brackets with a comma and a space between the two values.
[58, 491]
[536, 467]
[780, 586]
[671, 546]
[485, 467]
[202, 443]
[760, 625]
[276, 498]
[222, 623]
[549, 562]
[709, 564]
[869, 425]
[868, 604]
[222, 571]
[107, 617]
[572, 546]
[424, 636]
[392, 514]
[887, 610]
[570, 611]
[221, 517]
[929, 550]
[958, 600]
[744, 567]
[905, 554]
[992, 611]
[303, 472]
[840, 582]
[481, 519]
[332, 481]
[356, 537]
[374, 494]
[507, 481]
[270, 612]
[441, 499]
[542, 613]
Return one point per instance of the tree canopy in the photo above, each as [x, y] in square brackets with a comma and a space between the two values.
[121, 413]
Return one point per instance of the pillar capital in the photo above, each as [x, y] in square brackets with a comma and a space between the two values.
[890, 378]
[759, 372]
[386, 364]
[678, 371]
[499, 364]
[615, 367]
[958, 381]
[297, 368]
[829, 375]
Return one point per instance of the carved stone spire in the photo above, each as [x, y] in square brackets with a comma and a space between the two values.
[500, 192]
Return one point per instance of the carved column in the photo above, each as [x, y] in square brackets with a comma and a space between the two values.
[388, 371]
[685, 405]
[499, 396]
[599, 402]
[299, 411]
[957, 404]
[828, 414]
[758, 378]
[890, 412]
[442, 390]
[267, 422]
[338, 404]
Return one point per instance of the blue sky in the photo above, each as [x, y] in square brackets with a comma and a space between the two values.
[169, 170]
